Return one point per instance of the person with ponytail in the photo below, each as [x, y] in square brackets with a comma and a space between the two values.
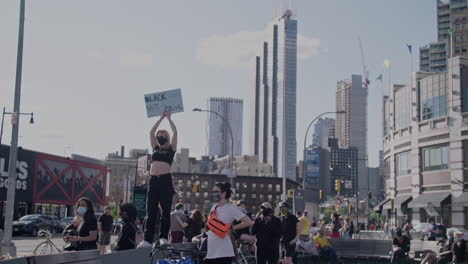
[221, 249]
[160, 188]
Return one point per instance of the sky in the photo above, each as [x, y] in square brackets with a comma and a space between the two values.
[87, 64]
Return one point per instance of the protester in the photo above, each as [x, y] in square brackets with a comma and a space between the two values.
[345, 229]
[325, 248]
[335, 226]
[313, 231]
[267, 230]
[221, 241]
[243, 234]
[401, 247]
[459, 248]
[305, 222]
[434, 231]
[160, 188]
[445, 254]
[387, 231]
[291, 229]
[351, 230]
[105, 222]
[195, 225]
[87, 230]
[178, 224]
[128, 235]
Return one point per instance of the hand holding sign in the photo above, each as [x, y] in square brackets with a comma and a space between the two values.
[158, 104]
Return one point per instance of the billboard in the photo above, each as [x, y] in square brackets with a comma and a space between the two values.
[24, 173]
[312, 174]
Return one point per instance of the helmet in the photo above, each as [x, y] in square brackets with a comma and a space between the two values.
[283, 204]
[241, 202]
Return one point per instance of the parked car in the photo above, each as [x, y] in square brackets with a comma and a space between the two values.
[64, 222]
[31, 224]
[57, 228]
[420, 231]
[459, 231]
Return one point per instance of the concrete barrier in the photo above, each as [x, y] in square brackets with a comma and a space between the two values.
[365, 234]
[15, 261]
[75, 257]
[134, 256]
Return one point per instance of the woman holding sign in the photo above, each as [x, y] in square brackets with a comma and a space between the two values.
[160, 189]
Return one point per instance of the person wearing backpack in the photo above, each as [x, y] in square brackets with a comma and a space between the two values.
[221, 242]
[129, 236]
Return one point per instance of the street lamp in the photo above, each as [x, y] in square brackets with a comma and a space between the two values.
[8, 246]
[226, 123]
[304, 152]
[31, 121]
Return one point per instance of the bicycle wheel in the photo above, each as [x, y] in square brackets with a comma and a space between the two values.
[43, 249]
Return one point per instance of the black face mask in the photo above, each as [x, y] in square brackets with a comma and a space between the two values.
[162, 140]
[266, 212]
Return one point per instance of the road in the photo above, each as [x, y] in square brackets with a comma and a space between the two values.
[25, 245]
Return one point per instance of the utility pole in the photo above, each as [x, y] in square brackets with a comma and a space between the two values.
[8, 246]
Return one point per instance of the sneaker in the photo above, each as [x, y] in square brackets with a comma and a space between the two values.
[163, 241]
[144, 244]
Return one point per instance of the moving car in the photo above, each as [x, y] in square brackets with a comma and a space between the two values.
[31, 224]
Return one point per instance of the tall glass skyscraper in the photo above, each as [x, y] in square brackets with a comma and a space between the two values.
[277, 122]
[219, 138]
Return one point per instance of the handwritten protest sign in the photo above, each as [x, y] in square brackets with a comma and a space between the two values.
[167, 101]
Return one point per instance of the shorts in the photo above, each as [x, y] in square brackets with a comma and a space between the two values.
[104, 240]
[288, 250]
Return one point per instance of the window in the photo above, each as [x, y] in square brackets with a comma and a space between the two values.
[262, 197]
[270, 198]
[403, 164]
[189, 183]
[244, 195]
[464, 88]
[402, 108]
[262, 186]
[205, 195]
[435, 158]
[180, 183]
[237, 185]
[254, 196]
[197, 195]
[254, 186]
[387, 168]
[433, 91]
[189, 195]
[270, 187]
[278, 187]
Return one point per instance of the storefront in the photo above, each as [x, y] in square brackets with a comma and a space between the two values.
[397, 209]
[51, 184]
[433, 205]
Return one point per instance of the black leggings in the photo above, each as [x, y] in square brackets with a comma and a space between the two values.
[160, 193]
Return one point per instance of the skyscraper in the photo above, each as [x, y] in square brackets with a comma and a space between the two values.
[324, 128]
[351, 127]
[277, 99]
[433, 57]
[219, 138]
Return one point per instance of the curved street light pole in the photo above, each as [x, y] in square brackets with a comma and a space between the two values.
[305, 141]
[231, 158]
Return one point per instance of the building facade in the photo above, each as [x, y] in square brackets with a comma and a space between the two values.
[426, 160]
[344, 167]
[276, 101]
[219, 137]
[351, 127]
[324, 129]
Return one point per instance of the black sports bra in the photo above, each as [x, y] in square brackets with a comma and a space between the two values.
[163, 154]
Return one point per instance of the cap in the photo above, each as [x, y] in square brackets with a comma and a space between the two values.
[266, 205]
[283, 204]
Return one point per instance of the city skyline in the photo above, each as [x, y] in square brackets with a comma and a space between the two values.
[86, 88]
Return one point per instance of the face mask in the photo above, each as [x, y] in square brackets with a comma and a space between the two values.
[449, 237]
[215, 196]
[124, 216]
[81, 210]
[284, 211]
[162, 140]
[243, 210]
[181, 210]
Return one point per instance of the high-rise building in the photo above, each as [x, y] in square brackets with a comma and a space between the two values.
[433, 57]
[323, 129]
[219, 138]
[277, 100]
[344, 168]
[351, 127]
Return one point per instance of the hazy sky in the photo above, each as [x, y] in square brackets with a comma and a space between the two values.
[87, 63]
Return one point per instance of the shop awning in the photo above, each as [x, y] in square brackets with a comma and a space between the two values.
[429, 200]
[378, 207]
[461, 200]
[399, 201]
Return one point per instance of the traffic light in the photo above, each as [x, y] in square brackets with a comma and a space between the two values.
[195, 188]
[290, 193]
[350, 207]
[338, 185]
[321, 194]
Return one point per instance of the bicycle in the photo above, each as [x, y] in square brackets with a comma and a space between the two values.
[245, 255]
[47, 246]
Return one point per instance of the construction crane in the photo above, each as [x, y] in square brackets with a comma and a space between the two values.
[365, 72]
